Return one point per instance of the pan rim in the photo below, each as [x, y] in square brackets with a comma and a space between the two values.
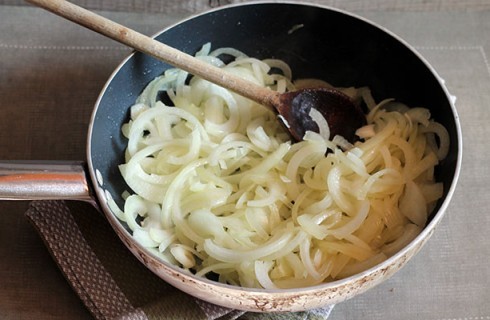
[418, 241]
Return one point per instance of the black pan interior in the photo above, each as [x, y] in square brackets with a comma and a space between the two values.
[315, 42]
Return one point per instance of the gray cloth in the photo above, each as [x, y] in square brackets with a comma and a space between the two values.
[111, 282]
[51, 72]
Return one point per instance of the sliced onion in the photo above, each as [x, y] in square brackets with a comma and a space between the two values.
[322, 123]
[220, 188]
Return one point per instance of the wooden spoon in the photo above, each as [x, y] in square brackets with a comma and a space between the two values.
[293, 108]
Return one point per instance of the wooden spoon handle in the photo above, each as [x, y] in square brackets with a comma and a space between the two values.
[158, 50]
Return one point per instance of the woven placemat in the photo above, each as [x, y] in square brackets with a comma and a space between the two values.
[110, 281]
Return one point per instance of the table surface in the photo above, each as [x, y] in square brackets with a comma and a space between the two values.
[51, 72]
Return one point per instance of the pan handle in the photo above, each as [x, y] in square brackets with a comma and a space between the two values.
[44, 180]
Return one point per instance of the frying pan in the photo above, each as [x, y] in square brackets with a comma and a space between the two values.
[317, 42]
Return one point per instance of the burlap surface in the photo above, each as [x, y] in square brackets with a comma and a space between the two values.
[51, 72]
